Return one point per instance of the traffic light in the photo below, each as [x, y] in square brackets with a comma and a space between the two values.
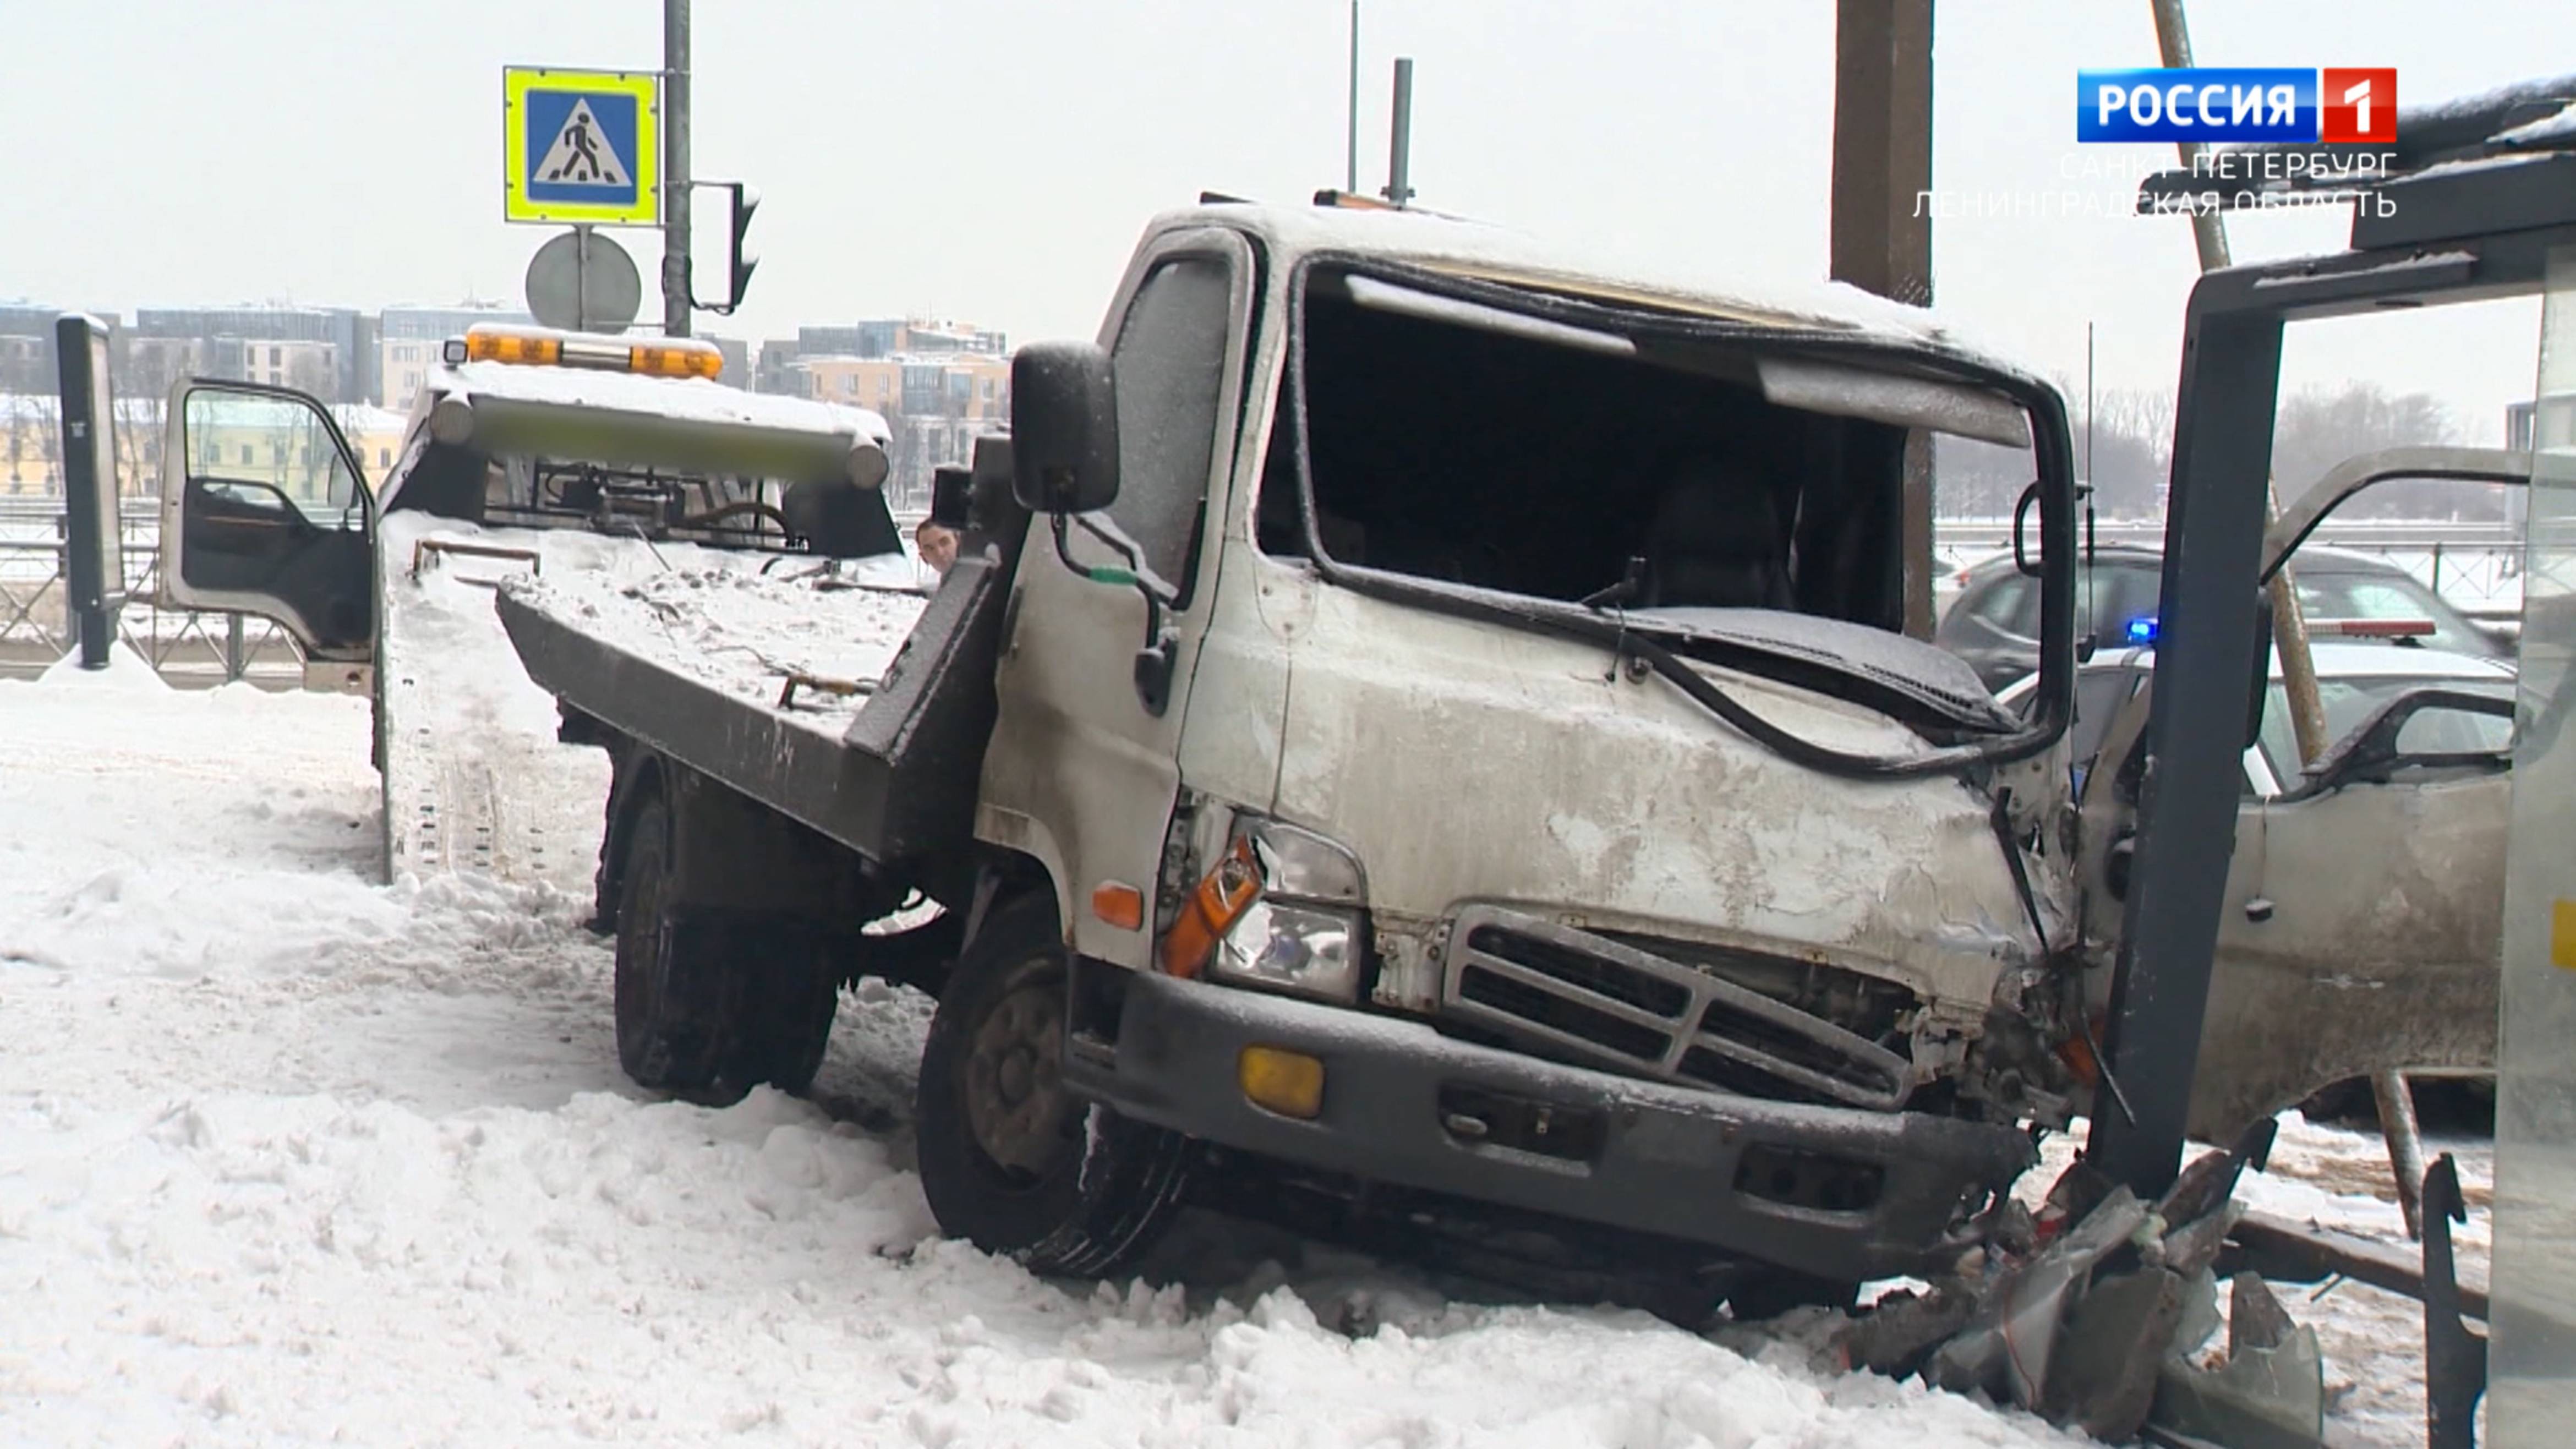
[744, 202]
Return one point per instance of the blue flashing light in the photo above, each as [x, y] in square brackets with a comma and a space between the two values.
[2143, 631]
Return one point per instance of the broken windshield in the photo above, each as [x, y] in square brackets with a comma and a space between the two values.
[1734, 492]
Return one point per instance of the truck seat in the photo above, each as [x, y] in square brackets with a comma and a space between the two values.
[1716, 543]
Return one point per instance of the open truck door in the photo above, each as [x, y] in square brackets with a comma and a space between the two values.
[2359, 921]
[265, 511]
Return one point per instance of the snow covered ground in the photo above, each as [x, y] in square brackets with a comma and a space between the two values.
[288, 1156]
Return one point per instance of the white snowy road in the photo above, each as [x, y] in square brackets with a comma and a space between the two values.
[290, 1157]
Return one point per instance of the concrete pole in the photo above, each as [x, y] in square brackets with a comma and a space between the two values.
[1881, 236]
[675, 167]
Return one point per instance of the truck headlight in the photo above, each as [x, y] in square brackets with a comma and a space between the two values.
[1294, 947]
[1285, 909]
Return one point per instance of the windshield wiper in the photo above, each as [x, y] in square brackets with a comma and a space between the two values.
[1621, 594]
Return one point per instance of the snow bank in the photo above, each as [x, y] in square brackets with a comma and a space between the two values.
[287, 1156]
[259, 1268]
[126, 670]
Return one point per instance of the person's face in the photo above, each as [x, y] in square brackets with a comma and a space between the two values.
[938, 546]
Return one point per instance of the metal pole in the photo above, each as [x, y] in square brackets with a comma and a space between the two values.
[1351, 183]
[2145, 1007]
[2208, 229]
[92, 522]
[581, 278]
[1399, 153]
[2397, 1125]
[235, 666]
[675, 167]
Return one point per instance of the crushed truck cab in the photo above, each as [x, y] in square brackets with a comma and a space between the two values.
[1421, 726]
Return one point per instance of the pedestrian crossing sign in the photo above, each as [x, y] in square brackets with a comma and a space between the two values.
[580, 146]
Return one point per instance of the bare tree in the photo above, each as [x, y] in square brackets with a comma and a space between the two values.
[21, 411]
[48, 427]
[2318, 428]
[142, 410]
[2131, 454]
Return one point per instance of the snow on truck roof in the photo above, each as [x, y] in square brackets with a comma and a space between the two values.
[1500, 254]
[693, 400]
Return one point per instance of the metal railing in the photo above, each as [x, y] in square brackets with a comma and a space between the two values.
[185, 647]
[2476, 566]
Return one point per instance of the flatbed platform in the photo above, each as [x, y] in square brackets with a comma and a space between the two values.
[841, 698]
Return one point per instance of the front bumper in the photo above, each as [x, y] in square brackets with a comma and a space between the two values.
[1838, 1192]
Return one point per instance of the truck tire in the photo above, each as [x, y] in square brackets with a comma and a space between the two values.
[669, 998]
[783, 1024]
[1009, 1159]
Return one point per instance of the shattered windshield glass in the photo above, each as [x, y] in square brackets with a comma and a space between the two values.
[1735, 498]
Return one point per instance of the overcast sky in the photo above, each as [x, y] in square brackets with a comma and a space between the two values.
[993, 160]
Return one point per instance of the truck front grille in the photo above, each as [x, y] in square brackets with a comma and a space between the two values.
[1606, 1003]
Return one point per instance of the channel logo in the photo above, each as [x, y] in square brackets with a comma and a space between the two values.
[2345, 105]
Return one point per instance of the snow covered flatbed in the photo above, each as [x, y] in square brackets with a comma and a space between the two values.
[472, 776]
[745, 634]
[836, 700]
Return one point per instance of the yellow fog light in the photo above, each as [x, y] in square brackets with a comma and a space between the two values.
[1288, 1083]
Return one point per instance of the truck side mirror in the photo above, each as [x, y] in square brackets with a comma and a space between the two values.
[1064, 428]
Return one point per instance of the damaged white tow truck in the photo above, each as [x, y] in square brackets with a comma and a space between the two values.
[1419, 741]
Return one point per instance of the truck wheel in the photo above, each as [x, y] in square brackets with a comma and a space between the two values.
[670, 1017]
[1010, 1159]
[785, 1022]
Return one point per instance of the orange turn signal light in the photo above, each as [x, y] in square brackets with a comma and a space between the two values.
[1119, 904]
[1212, 909]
